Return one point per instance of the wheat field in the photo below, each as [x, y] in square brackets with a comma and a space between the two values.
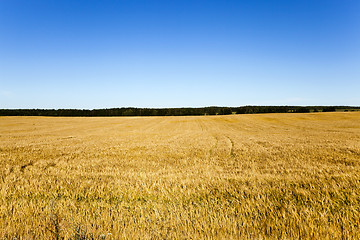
[265, 176]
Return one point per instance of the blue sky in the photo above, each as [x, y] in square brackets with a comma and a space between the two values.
[103, 54]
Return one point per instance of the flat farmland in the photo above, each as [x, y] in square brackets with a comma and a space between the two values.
[265, 176]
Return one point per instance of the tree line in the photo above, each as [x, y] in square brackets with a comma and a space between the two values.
[132, 111]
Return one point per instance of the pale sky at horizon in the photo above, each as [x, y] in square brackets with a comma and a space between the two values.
[117, 53]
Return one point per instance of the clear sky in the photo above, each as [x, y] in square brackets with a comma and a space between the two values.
[178, 53]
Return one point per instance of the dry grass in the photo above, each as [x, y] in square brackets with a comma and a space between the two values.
[273, 176]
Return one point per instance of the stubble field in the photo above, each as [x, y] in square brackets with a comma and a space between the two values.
[266, 176]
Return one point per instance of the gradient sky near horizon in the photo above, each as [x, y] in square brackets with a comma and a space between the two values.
[153, 53]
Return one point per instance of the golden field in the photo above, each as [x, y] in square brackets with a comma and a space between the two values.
[265, 176]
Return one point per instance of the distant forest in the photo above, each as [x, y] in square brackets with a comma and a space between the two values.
[130, 111]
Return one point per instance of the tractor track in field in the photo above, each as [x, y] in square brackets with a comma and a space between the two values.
[231, 147]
